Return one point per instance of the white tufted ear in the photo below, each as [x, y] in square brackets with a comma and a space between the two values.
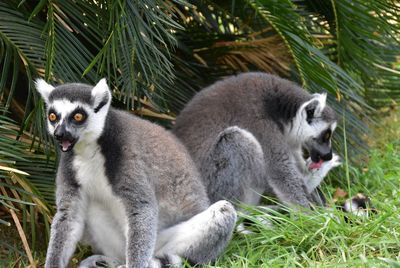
[314, 107]
[101, 95]
[43, 88]
[321, 98]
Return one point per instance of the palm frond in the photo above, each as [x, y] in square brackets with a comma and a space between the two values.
[26, 177]
[368, 41]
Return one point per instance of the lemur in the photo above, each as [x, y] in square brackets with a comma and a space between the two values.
[257, 134]
[126, 187]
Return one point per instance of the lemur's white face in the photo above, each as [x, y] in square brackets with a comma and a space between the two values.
[75, 113]
[312, 130]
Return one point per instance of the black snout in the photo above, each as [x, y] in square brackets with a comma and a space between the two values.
[327, 157]
[60, 132]
[321, 153]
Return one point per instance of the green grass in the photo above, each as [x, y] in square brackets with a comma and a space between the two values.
[320, 238]
[324, 238]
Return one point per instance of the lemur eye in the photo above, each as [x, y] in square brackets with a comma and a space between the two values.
[52, 117]
[327, 135]
[310, 113]
[78, 117]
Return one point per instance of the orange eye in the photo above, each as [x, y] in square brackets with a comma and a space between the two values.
[52, 117]
[78, 117]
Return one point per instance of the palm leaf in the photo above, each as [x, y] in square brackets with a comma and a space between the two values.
[26, 177]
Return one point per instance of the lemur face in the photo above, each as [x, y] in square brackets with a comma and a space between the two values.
[312, 129]
[75, 112]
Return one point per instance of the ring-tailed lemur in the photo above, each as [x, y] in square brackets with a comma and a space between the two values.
[126, 186]
[248, 133]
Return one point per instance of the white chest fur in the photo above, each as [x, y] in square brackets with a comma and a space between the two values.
[105, 218]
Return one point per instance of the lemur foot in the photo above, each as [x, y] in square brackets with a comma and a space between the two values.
[168, 260]
[97, 261]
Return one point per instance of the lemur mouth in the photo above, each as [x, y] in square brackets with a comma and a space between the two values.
[66, 145]
[311, 163]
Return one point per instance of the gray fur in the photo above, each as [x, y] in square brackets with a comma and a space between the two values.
[151, 204]
[72, 92]
[242, 133]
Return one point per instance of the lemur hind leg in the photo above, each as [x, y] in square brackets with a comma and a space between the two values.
[200, 239]
[234, 169]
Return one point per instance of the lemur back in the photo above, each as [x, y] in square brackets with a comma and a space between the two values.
[126, 187]
[246, 134]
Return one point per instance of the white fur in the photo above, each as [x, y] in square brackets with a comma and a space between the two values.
[175, 240]
[43, 88]
[333, 126]
[99, 91]
[321, 98]
[315, 177]
[105, 218]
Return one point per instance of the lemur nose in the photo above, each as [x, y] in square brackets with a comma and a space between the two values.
[327, 157]
[59, 133]
[58, 136]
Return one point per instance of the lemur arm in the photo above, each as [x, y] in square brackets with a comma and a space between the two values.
[142, 214]
[67, 226]
[284, 176]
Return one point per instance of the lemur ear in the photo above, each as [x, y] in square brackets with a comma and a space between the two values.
[314, 107]
[43, 88]
[101, 95]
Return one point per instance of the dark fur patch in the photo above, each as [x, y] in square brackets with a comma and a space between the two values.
[68, 172]
[282, 105]
[101, 104]
[110, 146]
[73, 92]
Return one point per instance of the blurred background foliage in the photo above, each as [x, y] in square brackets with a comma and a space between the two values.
[156, 54]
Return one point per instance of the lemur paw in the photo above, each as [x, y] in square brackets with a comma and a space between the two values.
[335, 161]
[99, 261]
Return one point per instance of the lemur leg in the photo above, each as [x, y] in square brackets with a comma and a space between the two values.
[199, 239]
[234, 168]
[66, 229]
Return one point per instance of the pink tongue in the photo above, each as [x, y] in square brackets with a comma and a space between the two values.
[317, 165]
[65, 145]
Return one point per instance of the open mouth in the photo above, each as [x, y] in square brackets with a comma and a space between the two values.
[66, 145]
[311, 163]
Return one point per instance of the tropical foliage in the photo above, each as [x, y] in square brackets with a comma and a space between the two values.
[156, 54]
